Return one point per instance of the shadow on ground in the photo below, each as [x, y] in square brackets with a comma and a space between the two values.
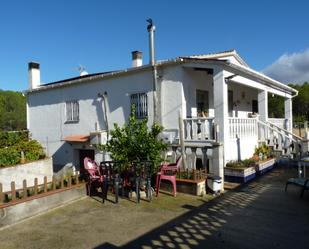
[257, 215]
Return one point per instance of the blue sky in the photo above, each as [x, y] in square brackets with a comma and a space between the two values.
[100, 35]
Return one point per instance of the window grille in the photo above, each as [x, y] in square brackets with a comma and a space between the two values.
[139, 100]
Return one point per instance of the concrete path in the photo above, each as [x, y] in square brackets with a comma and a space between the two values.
[257, 215]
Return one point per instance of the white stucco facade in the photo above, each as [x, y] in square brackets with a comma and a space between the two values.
[230, 90]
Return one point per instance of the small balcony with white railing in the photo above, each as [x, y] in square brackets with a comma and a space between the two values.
[199, 129]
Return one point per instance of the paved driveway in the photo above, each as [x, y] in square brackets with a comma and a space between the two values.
[257, 215]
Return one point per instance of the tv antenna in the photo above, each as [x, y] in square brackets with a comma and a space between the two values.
[82, 70]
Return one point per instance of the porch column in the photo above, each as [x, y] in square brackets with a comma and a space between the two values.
[288, 114]
[221, 109]
[263, 105]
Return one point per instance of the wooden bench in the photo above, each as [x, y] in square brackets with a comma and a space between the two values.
[301, 182]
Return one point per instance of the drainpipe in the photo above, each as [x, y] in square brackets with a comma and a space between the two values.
[104, 98]
[151, 29]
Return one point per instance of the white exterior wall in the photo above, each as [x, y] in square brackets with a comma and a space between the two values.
[197, 80]
[244, 150]
[47, 116]
[173, 97]
[242, 97]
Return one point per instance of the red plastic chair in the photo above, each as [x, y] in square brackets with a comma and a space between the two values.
[95, 179]
[168, 172]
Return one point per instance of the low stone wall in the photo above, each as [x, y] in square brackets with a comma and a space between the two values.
[15, 213]
[28, 172]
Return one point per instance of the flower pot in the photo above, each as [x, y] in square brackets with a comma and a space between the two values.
[239, 175]
[264, 166]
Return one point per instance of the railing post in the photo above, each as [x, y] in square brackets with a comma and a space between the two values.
[77, 179]
[45, 184]
[13, 191]
[1, 194]
[35, 186]
[25, 194]
[70, 181]
[61, 183]
[53, 183]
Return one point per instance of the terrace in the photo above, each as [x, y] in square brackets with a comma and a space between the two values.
[256, 215]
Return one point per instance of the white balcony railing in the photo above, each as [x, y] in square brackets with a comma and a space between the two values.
[243, 127]
[199, 129]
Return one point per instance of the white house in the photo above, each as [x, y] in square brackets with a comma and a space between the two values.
[218, 96]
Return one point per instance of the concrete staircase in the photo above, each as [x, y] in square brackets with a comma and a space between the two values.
[281, 141]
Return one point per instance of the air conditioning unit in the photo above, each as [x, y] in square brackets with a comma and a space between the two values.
[98, 137]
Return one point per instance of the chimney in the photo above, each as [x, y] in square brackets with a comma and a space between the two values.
[34, 75]
[137, 60]
[151, 29]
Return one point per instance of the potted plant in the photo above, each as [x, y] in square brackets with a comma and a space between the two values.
[264, 159]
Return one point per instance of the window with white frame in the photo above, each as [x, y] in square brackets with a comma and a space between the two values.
[72, 111]
[140, 101]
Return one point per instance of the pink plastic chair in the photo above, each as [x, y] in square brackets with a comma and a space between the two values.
[168, 172]
[95, 179]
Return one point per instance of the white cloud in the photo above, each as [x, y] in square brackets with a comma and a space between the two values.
[290, 68]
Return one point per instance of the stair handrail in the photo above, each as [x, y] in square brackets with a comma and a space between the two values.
[295, 138]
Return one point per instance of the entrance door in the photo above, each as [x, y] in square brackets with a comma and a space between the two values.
[202, 103]
[230, 103]
[82, 155]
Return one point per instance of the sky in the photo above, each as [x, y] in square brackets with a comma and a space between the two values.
[271, 36]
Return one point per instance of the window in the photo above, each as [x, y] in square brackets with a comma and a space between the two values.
[139, 100]
[72, 111]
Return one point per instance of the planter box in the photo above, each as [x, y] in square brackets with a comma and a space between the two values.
[28, 171]
[186, 186]
[240, 175]
[263, 167]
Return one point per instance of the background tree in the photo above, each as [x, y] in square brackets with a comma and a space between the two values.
[12, 111]
[275, 106]
[301, 102]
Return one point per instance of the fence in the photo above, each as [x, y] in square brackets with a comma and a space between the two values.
[37, 190]
[195, 175]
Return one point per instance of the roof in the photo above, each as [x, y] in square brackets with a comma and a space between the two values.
[215, 58]
[77, 138]
[219, 55]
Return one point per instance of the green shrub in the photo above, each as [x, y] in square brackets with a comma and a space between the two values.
[9, 156]
[12, 138]
[235, 164]
[241, 164]
[135, 142]
[32, 149]
[12, 144]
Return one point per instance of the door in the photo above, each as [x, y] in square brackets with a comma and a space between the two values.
[202, 103]
[230, 103]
